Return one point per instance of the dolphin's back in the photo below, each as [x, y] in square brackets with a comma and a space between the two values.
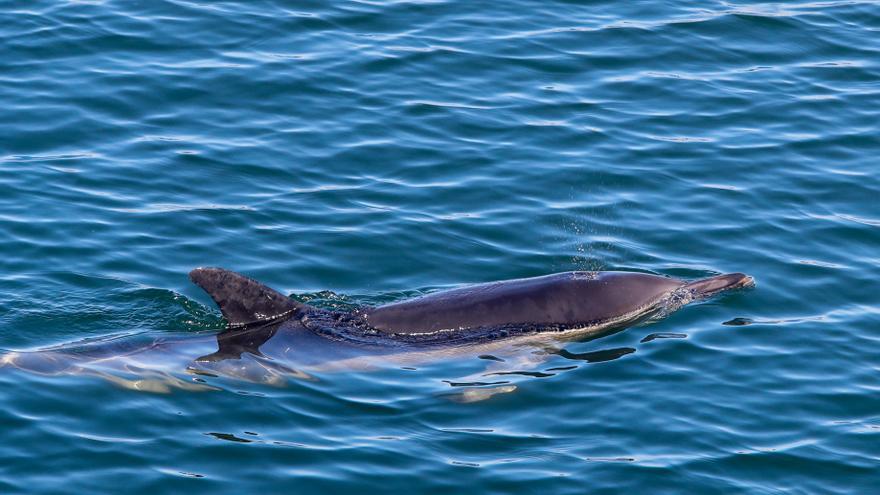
[564, 299]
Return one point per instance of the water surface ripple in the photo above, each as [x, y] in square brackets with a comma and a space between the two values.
[363, 152]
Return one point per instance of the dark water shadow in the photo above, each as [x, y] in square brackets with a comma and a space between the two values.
[533, 374]
[478, 391]
[738, 322]
[228, 437]
[663, 335]
[474, 384]
[600, 356]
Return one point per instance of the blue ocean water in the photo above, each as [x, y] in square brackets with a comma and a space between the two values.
[368, 151]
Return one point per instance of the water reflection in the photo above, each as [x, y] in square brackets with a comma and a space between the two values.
[273, 353]
[477, 390]
[229, 437]
[234, 342]
[478, 394]
[663, 335]
[740, 321]
[596, 356]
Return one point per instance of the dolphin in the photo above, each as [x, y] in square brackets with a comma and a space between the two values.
[576, 303]
[270, 337]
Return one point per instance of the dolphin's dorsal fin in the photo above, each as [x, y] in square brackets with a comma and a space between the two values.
[241, 300]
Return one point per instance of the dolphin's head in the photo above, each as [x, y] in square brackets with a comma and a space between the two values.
[708, 287]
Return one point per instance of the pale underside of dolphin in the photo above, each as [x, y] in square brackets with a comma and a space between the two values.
[271, 337]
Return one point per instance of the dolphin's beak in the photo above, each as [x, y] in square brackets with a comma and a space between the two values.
[710, 286]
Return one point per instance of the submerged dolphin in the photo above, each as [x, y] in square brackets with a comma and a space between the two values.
[270, 337]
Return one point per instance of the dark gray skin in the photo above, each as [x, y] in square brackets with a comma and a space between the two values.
[567, 299]
[597, 301]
